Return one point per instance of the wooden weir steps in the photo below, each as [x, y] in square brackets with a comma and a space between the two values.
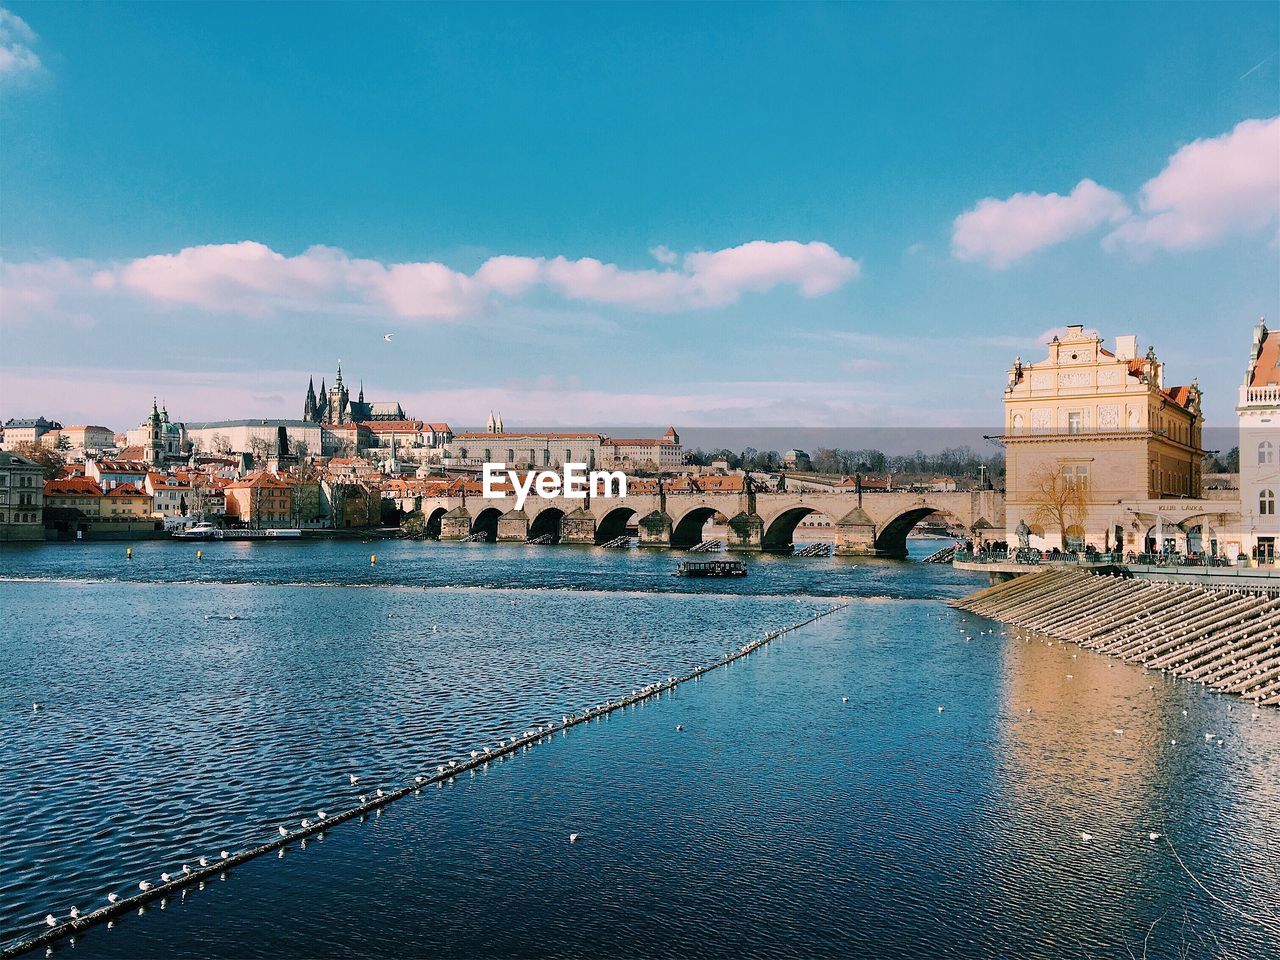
[1225, 640]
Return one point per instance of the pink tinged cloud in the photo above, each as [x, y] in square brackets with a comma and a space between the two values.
[1001, 232]
[1209, 190]
[252, 279]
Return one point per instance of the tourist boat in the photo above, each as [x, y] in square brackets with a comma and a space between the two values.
[199, 531]
[207, 531]
[711, 568]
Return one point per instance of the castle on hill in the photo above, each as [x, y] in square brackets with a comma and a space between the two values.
[334, 405]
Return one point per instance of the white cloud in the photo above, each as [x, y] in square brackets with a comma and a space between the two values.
[252, 279]
[664, 254]
[1208, 191]
[1000, 232]
[16, 39]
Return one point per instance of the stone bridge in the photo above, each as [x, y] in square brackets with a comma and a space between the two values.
[871, 524]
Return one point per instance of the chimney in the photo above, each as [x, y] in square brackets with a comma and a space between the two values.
[1127, 347]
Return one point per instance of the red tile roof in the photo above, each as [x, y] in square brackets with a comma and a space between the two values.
[127, 490]
[72, 487]
[1266, 369]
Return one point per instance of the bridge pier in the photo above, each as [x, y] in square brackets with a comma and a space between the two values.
[513, 527]
[654, 529]
[456, 524]
[856, 536]
[746, 532]
[578, 527]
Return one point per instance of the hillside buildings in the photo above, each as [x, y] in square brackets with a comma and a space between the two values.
[526, 450]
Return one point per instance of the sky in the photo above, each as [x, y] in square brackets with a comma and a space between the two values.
[707, 215]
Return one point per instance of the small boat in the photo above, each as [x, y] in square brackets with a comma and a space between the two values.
[200, 531]
[711, 568]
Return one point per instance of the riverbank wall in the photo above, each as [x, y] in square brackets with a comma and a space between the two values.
[1224, 638]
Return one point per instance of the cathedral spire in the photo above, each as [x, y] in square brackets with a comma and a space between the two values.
[360, 399]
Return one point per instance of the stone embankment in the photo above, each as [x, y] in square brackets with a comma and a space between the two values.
[1226, 640]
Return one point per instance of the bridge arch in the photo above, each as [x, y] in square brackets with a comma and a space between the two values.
[486, 522]
[891, 541]
[547, 521]
[614, 523]
[780, 532]
[431, 521]
[687, 530]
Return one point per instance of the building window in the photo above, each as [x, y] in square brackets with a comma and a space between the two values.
[1073, 422]
[1266, 453]
[1266, 503]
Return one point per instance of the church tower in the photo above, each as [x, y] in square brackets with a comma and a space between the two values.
[154, 454]
[309, 412]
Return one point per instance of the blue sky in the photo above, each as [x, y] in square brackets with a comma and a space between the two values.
[817, 215]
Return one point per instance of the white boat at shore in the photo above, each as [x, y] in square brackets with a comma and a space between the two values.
[207, 531]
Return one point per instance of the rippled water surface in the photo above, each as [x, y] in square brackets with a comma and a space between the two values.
[782, 820]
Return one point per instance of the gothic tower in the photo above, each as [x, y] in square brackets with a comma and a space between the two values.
[309, 408]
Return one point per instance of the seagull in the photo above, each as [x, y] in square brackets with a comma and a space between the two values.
[50, 920]
[143, 885]
[573, 838]
[844, 699]
[418, 778]
[387, 337]
[940, 709]
[75, 913]
[223, 855]
[353, 778]
[283, 831]
[164, 877]
[322, 815]
[1086, 837]
[1153, 835]
[204, 861]
[186, 869]
[306, 824]
[679, 727]
[35, 707]
[474, 754]
[362, 799]
[379, 791]
[113, 898]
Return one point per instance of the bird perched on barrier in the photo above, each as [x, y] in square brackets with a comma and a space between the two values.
[75, 913]
[144, 886]
[223, 855]
[50, 920]
[283, 831]
[379, 791]
[203, 861]
[113, 898]
[164, 877]
[322, 815]
[186, 869]
[306, 824]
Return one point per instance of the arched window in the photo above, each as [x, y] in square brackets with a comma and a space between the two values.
[1266, 503]
[1266, 453]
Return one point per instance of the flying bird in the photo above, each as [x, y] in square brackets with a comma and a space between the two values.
[387, 337]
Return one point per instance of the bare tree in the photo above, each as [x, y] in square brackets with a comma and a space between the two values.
[1059, 499]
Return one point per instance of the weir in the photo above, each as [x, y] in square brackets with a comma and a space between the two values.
[1227, 640]
[444, 773]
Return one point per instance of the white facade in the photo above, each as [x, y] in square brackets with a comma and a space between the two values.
[1259, 416]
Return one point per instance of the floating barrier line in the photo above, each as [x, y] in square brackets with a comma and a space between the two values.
[219, 867]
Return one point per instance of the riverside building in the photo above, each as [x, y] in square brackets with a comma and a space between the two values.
[1102, 452]
[1258, 413]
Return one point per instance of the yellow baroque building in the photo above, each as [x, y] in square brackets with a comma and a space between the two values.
[1100, 451]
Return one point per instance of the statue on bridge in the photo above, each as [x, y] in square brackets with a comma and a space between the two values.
[1024, 535]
